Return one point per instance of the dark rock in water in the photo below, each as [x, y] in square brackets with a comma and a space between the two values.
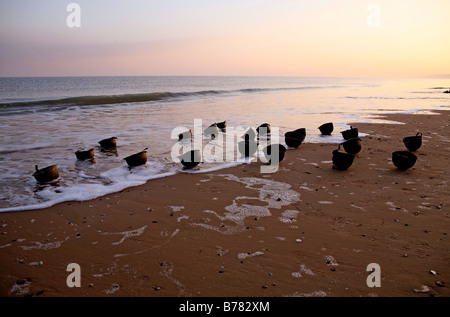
[413, 143]
[212, 131]
[247, 148]
[326, 128]
[352, 146]
[350, 133]
[447, 92]
[295, 138]
[187, 135]
[271, 151]
[84, 155]
[190, 159]
[137, 159]
[301, 131]
[249, 135]
[222, 125]
[47, 174]
[263, 129]
[403, 159]
[108, 143]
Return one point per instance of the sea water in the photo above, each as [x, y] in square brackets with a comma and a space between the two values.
[43, 121]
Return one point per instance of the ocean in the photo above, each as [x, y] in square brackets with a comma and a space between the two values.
[45, 120]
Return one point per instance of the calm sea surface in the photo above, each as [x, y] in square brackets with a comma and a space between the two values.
[44, 121]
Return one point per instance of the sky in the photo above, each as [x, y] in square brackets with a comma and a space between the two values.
[336, 38]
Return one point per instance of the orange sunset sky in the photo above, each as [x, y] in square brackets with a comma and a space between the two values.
[357, 38]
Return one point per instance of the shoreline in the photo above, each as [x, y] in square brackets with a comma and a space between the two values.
[225, 165]
[306, 230]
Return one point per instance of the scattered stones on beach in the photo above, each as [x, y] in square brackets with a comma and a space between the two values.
[221, 251]
[330, 260]
[23, 281]
[439, 283]
[243, 255]
[422, 289]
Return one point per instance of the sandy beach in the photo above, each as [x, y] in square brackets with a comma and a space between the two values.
[305, 231]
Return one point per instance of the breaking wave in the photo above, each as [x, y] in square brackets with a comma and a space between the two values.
[142, 97]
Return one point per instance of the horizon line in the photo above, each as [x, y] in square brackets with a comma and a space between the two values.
[436, 76]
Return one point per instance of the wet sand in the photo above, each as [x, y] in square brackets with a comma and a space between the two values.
[307, 230]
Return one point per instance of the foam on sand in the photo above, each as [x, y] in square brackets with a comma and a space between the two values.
[114, 180]
[275, 194]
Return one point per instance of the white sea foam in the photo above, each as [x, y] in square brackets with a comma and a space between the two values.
[211, 169]
[115, 180]
[312, 294]
[126, 234]
[176, 208]
[330, 260]
[274, 194]
[83, 192]
[288, 216]
[44, 246]
[303, 269]
[244, 255]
